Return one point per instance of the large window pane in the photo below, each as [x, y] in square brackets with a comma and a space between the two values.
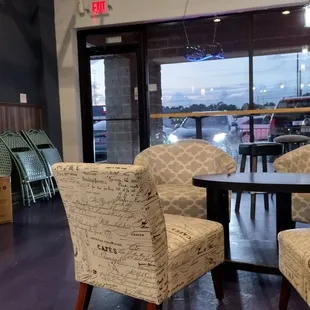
[214, 85]
[179, 85]
[282, 69]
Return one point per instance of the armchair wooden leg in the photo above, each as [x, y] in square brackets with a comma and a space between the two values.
[217, 282]
[83, 299]
[150, 306]
[285, 294]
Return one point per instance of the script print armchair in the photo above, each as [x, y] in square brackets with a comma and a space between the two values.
[297, 161]
[173, 166]
[294, 264]
[123, 242]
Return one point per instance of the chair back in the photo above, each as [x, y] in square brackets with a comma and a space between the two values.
[117, 227]
[177, 163]
[15, 142]
[38, 138]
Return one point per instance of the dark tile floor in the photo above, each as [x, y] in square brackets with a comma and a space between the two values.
[37, 271]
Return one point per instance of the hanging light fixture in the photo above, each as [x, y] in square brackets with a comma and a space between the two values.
[192, 52]
[196, 52]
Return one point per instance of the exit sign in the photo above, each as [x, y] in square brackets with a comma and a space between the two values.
[99, 7]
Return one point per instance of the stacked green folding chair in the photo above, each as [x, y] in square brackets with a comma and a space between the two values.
[29, 166]
[44, 147]
[5, 161]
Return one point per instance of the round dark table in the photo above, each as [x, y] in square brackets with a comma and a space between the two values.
[283, 184]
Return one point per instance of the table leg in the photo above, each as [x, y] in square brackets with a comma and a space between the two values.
[218, 211]
[253, 168]
[198, 127]
[284, 212]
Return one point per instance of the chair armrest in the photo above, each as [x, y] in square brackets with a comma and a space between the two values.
[141, 161]
[282, 164]
[297, 161]
[225, 163]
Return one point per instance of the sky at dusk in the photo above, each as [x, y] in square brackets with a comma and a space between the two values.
[209, 82]
[227, 80]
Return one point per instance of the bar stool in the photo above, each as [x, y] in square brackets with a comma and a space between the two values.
[255, 150]
[288, 140]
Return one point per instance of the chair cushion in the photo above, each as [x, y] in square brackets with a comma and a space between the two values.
[292, 139]
[33, 168]
[245, 148]
[301, 208]
[260, 149]
[266, 148]
[195, 246]
[294, 252]
[186, 200]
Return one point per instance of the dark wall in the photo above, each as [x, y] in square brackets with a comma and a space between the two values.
[28, 58]
[20, 51]
[49, 71]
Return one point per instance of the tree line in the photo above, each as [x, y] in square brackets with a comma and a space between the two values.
[221, 106]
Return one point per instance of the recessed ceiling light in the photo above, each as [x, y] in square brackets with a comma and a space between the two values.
[217, 20]
[307, 16]
[305, 49]
[286, 12]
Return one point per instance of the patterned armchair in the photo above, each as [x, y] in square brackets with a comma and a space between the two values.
[297, 161]
[172, 167]
[122, 241]
[294, 253]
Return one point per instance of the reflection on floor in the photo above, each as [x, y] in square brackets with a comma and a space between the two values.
[37, 271]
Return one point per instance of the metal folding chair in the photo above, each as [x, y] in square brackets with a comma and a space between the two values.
[30, 167]
[44, 147]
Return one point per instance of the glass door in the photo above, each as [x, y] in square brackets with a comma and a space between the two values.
[114, 90]
[113, 93]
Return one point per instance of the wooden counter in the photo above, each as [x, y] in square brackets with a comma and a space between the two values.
[235, 112]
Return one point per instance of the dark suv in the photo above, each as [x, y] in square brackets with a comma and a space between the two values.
[291, 123]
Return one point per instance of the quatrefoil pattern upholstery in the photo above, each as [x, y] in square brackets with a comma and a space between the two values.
[297, 161]
[294, 263]
[173, 166]
[121, 238]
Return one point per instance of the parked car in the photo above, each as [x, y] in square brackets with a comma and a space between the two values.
[100, 140]
[291, 123]
[167, 129]
[99, 112]
[221, 131]
[261, 127]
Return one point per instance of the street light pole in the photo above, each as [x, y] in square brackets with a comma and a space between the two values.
[298, 75]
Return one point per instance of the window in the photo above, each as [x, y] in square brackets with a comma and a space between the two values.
[281, 68]
[185, 86]
[206, 122]
[214, 85]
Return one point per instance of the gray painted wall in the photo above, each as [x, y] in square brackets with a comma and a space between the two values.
[28, 59]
